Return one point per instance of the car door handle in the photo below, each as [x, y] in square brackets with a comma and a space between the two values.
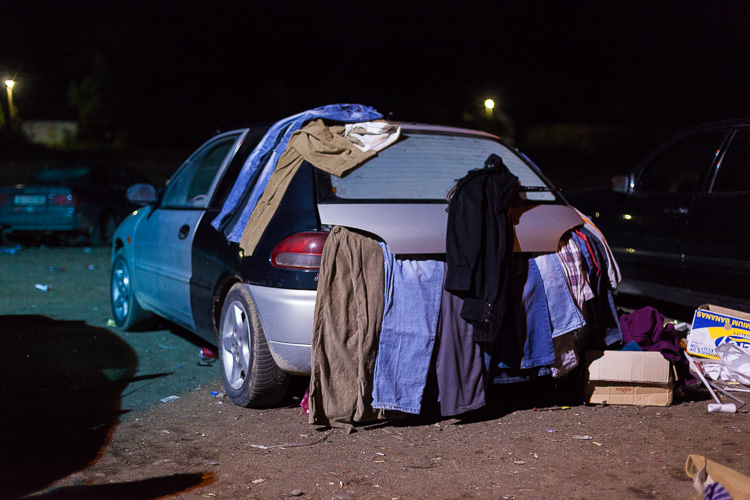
[676, 211]
[183, 232]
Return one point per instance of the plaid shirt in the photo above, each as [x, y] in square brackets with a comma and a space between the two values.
[575, 270]
[613, 270]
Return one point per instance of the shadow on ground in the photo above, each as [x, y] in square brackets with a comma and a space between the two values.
[61, 385]
[156, 487]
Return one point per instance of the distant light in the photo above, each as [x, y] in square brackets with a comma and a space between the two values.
[9, 83]
[630, 250]
[627, 216]
[489, 104]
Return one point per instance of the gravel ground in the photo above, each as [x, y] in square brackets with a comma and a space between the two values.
[81, 417]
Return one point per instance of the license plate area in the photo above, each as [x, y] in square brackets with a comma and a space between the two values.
[27, 200]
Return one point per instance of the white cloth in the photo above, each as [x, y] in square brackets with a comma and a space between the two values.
[375, 135]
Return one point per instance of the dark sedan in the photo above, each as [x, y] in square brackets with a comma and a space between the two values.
[72, 201]
[677, 224]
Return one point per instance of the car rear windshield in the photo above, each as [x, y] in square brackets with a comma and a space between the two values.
[427, 166]
[64, 176]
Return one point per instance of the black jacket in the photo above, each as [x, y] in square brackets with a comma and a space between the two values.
[479, 244]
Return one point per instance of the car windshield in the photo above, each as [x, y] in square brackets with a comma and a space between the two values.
[64, 176]
[426, 167]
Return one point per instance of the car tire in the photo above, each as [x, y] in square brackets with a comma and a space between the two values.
[127, 312]
[251, 376]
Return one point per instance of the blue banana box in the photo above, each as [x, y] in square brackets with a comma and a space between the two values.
[713, 326]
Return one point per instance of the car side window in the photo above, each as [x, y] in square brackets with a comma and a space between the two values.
[733, 175]
[683, 166]
[191, 184]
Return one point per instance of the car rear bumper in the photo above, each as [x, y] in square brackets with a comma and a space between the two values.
[45, 221]
[287, 319]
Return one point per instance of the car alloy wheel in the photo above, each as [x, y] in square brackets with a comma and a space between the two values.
[250, 374]
[126, 310]
[235, 343]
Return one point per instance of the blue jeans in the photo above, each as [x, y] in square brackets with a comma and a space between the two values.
[275, 142]
[407, 335]
[526, 342]
[564, 314]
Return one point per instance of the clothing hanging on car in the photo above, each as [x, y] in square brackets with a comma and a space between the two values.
[479, 243]
[346, 326]
[407, 333]
[240, 202]
[459, 365]
[336, 149]
[536, 311]
[548, 330]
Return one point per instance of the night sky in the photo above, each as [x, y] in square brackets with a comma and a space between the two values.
[178, 66]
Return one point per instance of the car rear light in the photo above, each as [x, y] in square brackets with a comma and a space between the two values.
[6, 200]
[299, 251]
[62, 200]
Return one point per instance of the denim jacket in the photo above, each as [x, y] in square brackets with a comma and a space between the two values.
[274, 143]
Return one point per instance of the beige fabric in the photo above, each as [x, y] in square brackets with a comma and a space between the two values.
[738, 485]
[376, 135]
[326, 148]
[348, 314]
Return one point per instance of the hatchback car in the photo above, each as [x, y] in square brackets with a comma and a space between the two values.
[675, 223]
[68, 201]
[168, 260]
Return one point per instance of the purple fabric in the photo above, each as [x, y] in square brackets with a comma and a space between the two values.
[646, 328]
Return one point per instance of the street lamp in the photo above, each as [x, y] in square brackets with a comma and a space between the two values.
[11, 109]
[489, 105]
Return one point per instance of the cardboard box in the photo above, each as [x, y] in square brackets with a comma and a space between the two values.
[714, 326]
[629, 378]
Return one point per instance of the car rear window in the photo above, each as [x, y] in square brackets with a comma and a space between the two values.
[426, 167]
[65, 176]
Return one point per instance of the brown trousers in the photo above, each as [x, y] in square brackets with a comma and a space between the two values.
[348, 314]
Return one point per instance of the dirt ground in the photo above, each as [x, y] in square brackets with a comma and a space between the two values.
[81, 417]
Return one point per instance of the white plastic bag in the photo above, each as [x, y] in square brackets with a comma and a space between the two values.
[737, 362]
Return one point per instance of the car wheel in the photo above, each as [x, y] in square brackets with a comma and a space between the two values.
[250, 375]
[104, 230]
[126, 310]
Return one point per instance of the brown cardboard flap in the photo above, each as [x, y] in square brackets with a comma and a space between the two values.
[628, 366]
[725, 311]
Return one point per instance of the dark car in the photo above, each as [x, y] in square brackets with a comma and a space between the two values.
[168, 260]
[678, 223]
[71, 201]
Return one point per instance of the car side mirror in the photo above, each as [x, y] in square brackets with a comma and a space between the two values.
[142, 194]
[622, 183]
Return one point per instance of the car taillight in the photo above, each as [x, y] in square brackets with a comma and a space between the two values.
[62, 200]
[6, 200]
[299, 251]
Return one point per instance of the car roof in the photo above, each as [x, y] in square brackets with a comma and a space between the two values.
[414, 127]
[717, 124]
[443, 129]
